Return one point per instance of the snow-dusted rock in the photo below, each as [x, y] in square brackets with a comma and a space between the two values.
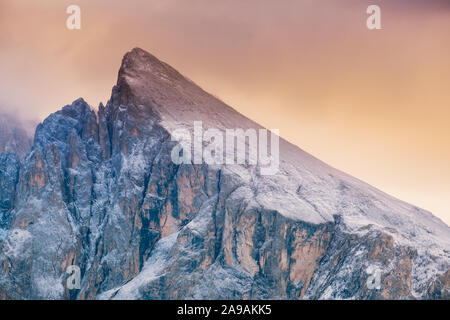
[99, 190]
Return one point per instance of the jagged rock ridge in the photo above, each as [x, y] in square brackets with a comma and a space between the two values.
[99, 190]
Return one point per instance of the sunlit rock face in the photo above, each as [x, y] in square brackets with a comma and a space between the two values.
[99, 190]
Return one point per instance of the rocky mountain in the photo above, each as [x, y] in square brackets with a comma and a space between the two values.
[15, 143]
[99, 190]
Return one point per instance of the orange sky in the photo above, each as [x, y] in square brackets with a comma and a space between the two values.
[375, 104]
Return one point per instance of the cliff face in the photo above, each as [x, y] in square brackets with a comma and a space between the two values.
[99, 190]
[9, 175]
[15, 143]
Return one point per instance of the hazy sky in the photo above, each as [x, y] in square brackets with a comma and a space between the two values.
[375, 104]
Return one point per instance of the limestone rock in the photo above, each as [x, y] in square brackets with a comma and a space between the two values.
[99, 190]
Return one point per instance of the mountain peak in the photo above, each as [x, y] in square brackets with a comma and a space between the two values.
[139, 63]
[101, 192]
[144, 80]
[135, 58]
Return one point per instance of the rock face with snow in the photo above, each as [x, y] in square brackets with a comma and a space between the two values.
[99, 190]
[15, 143]
[9, 175]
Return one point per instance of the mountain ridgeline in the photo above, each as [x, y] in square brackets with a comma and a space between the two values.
[99, 191]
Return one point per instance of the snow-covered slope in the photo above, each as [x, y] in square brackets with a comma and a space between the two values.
[101, 191]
